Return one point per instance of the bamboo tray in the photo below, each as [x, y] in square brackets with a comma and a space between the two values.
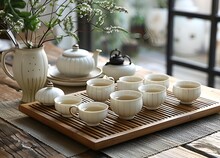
[114, 130]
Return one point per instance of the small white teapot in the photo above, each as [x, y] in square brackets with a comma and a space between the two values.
[116, 67]
[77, 62]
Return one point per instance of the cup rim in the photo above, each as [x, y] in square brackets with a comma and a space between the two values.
[196, 85]
[163, 88]
[139, 79]
[88, 83]
[96, 104]
[126, 92]
[66, 97]
[154, 75]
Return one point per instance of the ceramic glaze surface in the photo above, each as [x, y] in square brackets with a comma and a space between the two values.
[102, 91]
[153, 95]
[80, 66]
[117, 71]
[186, 91]
[47, 94]
[63, 104]
[77, 62]
[129, 83]
[93, 118]
[29, 68]
[161, 79]
[126, 109]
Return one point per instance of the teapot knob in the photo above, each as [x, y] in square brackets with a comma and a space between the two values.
[50, 84]
[75, 47]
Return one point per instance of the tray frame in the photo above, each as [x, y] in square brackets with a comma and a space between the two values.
[77, 130]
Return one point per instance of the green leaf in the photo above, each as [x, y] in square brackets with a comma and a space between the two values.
[24, 14]
[60, 12]
[19, 4]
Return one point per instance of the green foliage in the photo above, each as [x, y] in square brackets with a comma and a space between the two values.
[18, 16]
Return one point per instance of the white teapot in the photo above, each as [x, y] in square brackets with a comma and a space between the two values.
[116, 67]
[77, 62]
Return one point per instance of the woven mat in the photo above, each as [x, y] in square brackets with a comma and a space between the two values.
[140, 147]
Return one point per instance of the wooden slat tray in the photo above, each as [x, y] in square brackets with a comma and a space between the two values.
[114, 130]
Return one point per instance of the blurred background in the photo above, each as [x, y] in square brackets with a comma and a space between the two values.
[193, 50]
[177, 37]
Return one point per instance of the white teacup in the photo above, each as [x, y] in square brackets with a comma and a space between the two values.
[161, 79]
[92, 113]
[126, 103]
[129, 83]
[186, 91]
[153, 95]
[99, 89]
[63, 103]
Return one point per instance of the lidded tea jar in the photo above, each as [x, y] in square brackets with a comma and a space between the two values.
[47, 94]
[117, 67]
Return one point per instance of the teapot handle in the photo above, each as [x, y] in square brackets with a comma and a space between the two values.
[4, 67]
[107, 77]
[115, 50]
[126, 56]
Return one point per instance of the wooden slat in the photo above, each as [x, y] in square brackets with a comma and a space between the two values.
[114, 130]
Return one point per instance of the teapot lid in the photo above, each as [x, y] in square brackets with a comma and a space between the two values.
[75, 52]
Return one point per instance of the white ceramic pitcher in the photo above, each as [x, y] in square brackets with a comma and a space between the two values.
[29, 68]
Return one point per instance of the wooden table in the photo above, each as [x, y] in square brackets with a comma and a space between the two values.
[17, 143]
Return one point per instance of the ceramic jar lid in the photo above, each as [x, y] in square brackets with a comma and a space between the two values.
[47, 94]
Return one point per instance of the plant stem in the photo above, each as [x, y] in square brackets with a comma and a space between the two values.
[42, 39]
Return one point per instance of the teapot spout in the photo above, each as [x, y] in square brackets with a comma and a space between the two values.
[96, 55]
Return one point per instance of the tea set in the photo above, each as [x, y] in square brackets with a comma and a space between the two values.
[125, 92]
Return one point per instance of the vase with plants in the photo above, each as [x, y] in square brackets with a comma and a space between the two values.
[30, 23]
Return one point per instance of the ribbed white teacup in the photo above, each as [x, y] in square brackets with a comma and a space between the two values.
[99, 89]
[153, 95]
[129, 83]
[126, 103]
[156, 78]
[64, 102]
[187, 91]
[92, 113]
